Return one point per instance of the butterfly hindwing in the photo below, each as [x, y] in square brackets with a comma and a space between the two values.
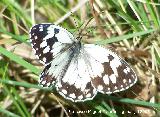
[76, 84]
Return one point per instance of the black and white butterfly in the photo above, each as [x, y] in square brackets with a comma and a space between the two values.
[77, 70]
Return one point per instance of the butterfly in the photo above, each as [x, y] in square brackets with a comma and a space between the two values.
[78, 70]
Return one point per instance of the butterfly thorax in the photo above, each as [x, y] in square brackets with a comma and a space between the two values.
[75, 48]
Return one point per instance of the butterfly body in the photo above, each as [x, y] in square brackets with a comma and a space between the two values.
[78, 71]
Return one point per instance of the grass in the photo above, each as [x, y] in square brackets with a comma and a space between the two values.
[131, 27]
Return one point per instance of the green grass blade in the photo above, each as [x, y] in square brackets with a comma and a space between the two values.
[19, 60]
[125, 16]
[23, 84]
[20, 102]
[20, 38]
[108, 111]
[8, 113]
[143, 15]
[6, 88]
[152, 13]
[120, 38]
[14, 100]
[132, 101]
[13, 6]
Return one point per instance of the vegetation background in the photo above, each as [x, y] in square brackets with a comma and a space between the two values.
[128, 27]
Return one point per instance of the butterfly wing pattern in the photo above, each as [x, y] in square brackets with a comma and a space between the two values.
[78, 71]
[48, 42]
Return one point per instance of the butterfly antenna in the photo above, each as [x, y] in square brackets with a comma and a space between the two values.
[75, 22]
[78, 27]
[84, 28]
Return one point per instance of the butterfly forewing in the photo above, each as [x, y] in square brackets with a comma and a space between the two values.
[55, 69]
[46, 79]
[50, 43]
[49, 40]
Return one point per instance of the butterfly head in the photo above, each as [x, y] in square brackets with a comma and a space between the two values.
[79, 38]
